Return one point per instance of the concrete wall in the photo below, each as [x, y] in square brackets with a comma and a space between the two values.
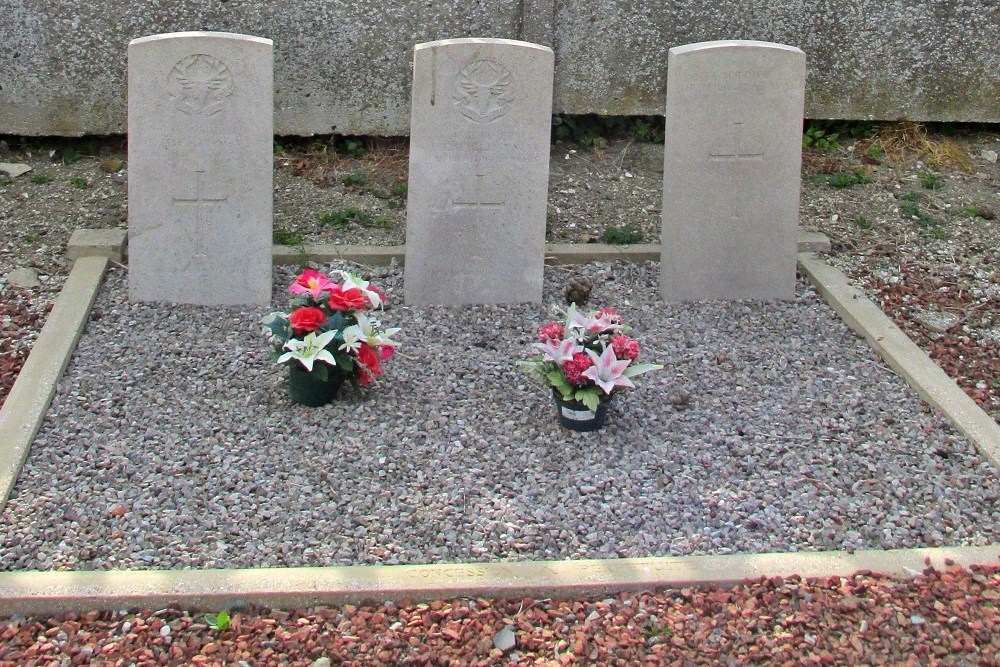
[346, 63]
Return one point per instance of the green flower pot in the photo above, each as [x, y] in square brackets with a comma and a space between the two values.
[306, 388]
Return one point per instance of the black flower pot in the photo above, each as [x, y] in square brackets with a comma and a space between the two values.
[306, 388]
[576, 416]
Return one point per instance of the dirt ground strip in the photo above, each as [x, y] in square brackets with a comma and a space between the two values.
[937, 618]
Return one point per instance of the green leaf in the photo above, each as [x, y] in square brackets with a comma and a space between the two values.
[639, 369]
[588, 397]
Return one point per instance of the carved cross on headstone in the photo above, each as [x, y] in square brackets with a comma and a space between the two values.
[200, 199]
[736, 155]
[480, 201]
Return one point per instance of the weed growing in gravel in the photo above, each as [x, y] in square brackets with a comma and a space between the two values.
[5, 181]
[219, 622]
[79, 183]
[346, 216]
[30, 238]
[354, 147]
[623, 235]
[909, 208]
[355, 178]
[592, 131]
[863, 223]
[816, 137]
[931, 180]
[876, 151]
[41, 179]
[847, 179]
[970, 211]
[281, 236]
[400, 189]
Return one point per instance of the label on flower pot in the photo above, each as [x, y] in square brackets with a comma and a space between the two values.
[577, 415]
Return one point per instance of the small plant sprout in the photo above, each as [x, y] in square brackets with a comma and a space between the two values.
[931, 180]
[356, 177]
[41, 179]
[863, 223]
[219, 622]
[624, 235]
[847, 179]
[309, 350]
[79, 183]
[285, 237]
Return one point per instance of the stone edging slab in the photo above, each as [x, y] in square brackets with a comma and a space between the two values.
[555, 253]
[903, 355]
[58, 592]
[25, 407]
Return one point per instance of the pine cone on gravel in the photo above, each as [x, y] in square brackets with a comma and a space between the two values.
[578, 291]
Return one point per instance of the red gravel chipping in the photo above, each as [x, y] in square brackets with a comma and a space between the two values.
[946, 617]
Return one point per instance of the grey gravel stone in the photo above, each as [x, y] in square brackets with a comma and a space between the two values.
[172, 443]
[25, 278]
[504, 639]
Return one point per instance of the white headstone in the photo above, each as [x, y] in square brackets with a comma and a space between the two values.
[200, 145]
[479, 170]
[731, 171]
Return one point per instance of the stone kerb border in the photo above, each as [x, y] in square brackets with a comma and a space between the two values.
[902, 354]
[29, 398]
[555, 253]
[54, 592]
[58, 592]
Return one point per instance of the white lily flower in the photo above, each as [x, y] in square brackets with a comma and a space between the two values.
[309, 350]
[608, 371]
[351, 280]
[353, 337]
[368, 328]
[560, 352]
[591, 324]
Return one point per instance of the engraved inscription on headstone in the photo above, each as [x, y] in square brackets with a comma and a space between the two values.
[200, 197]
[475, 216]
[200, 85]
[484, 91]
[200, 118]
[479, 200]
[732, 155]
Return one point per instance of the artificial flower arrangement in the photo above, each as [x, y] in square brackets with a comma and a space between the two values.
[331, 334]
[587, 357]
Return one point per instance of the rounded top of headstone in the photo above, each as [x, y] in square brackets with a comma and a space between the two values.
[201, 34]
[480, 41]
[730, 43]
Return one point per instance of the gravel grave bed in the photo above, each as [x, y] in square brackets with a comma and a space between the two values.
[171, 443]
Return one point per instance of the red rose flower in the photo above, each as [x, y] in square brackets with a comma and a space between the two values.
[551, 332]
[368, 364]
[625, 348]
[306, 319]
[350, 299]
[575, 367]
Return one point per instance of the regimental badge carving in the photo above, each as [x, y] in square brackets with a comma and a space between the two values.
[200, 85]
[484, 91]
